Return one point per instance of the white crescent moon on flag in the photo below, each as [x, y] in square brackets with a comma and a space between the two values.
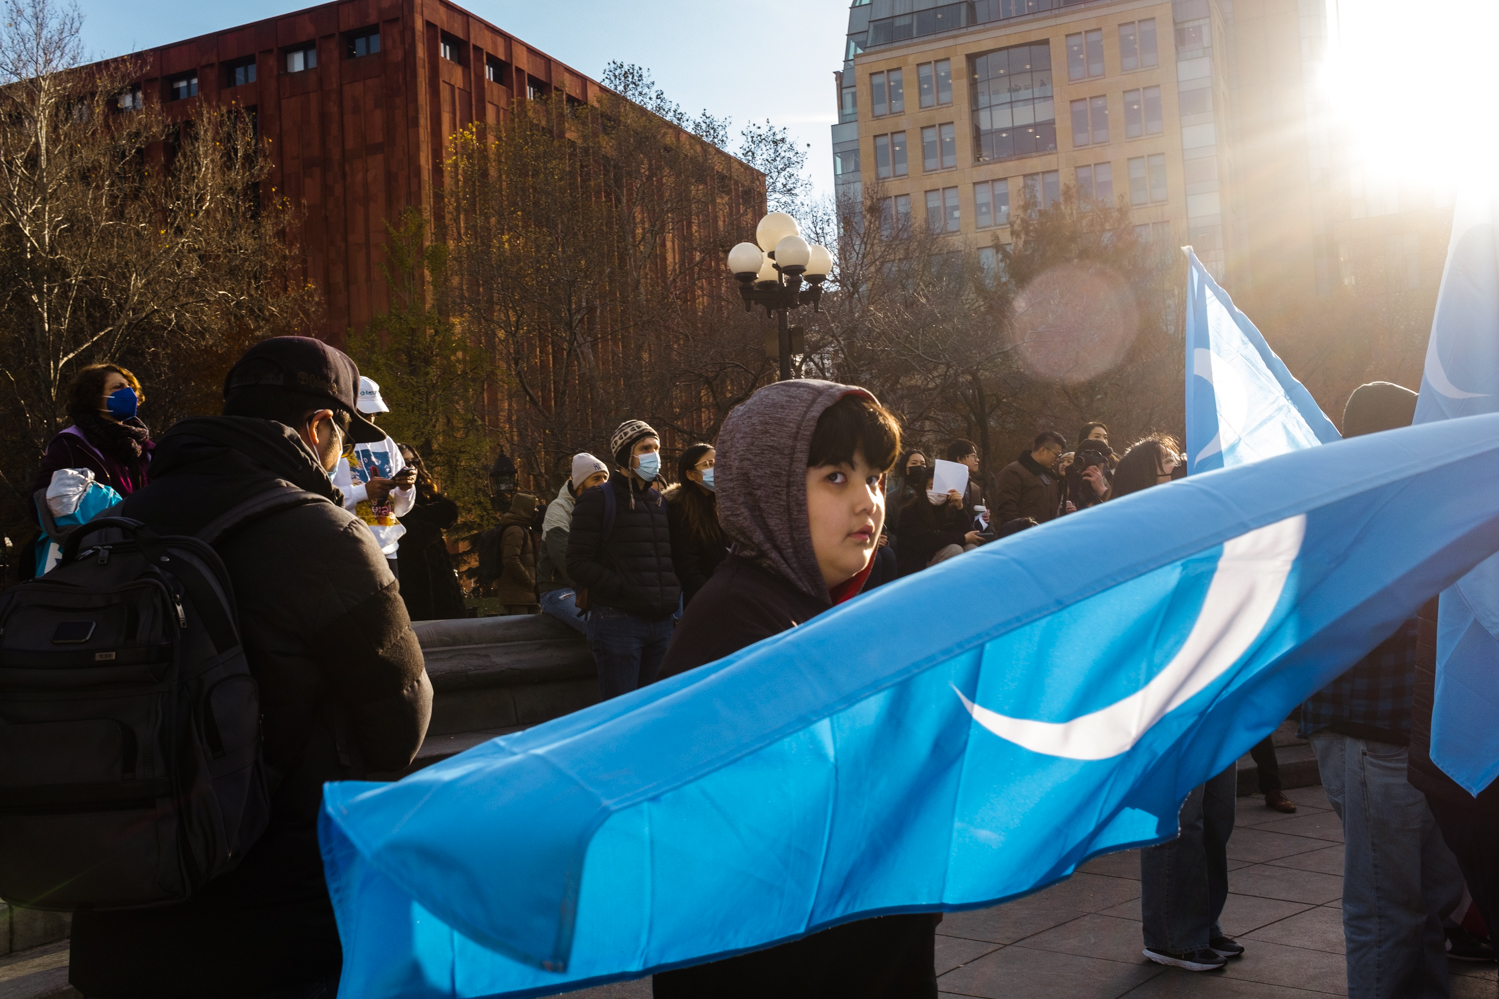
[1246, 586]
[1437, 376]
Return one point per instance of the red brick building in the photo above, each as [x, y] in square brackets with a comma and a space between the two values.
[357, 100]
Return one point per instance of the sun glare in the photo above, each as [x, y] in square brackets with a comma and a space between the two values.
[1408, 88]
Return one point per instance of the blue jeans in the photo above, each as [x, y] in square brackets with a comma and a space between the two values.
[1399, 879]
[562, 604]
[627, 649]
[1184, 883]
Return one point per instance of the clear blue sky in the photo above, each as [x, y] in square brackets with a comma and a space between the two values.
[750, 61]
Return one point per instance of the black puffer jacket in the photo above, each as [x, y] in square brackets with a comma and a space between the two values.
[632, 571]
[330, 645]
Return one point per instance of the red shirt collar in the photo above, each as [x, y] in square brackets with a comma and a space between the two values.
[850, 589]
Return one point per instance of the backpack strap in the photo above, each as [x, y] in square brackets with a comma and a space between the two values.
[49, 523]
[611, 510]
[282, 496]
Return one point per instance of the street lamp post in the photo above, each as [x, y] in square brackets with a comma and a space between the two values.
[771, 274]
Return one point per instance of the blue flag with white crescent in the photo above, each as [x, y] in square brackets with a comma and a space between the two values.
[1057, 697]
[1461, 378]
[1242, 402]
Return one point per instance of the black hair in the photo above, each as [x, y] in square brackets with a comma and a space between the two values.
[960, 449]
[853, 424]
[905, 459]
[288, 406]
[83, 392]
[1088, 428]
[1141, 464]
[1048, 436]
[699, 509]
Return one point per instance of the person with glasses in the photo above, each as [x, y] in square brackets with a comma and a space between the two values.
[1029, 486]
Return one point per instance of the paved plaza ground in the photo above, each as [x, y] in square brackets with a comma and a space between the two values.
[1081, 939]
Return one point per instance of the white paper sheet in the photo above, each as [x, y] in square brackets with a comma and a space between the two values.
[949, 475]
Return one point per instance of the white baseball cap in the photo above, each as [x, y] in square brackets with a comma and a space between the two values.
[369, 396]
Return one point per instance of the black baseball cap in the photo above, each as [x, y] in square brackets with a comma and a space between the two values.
[302, 364]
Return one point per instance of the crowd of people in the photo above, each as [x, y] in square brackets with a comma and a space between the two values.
[805, 500]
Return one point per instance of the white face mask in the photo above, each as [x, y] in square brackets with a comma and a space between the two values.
[936, 497]
[707, 474]
[648, 465]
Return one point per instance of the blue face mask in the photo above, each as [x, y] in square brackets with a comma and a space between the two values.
[648, 465]
[122, 403]
[708, 480]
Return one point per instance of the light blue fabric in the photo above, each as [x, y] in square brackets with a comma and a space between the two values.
[1242, 402]
[1462, 379]
[98, 498]
[846, 768]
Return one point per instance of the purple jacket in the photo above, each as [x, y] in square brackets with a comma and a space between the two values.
[72, 449]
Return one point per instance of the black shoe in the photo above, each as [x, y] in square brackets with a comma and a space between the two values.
[1226, 947]
[1464, 946]
[1192, 960]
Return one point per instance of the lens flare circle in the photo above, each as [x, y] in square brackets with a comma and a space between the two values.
[1075, 322]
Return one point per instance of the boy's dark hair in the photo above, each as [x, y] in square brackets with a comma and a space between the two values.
[83, 392]
[960, 449]
[1048, 437]
[269, 402]
[855, 423]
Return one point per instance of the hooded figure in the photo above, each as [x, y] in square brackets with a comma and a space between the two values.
[517, 584]
[771, 581]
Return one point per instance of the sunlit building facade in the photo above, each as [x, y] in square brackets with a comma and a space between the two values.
[1203, 116]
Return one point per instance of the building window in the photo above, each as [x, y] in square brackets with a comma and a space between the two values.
[1153, 232]
[130, 100]
[1085, 55]
[182, 88]
[1193, 35]
[450, 49]
[991, 203]
[535, 89]
[238, 74]
[494, 71]
[850, 109]
[951, 212]
[855, 46]
[991, 265]
[1197, 101]
[1096, 182]
[934, 211]
[887, 93]
[890, 155]
[365, 43]
[1042, 190]
[1012, 99]
[298, 60]
[1142, 112]
[895, 216]
[882, 157]
[934, 80]
[1090, 121]
[1137, 48]
[939, 147]
[1147, 180]
[846, 163]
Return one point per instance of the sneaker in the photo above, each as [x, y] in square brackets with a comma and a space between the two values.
[1192, 960]
[1465, 946]
[1226, 947]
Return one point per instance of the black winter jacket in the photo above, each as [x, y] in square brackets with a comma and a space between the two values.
[694, 558]
[632, 571]
[926, 530]
[330, 646]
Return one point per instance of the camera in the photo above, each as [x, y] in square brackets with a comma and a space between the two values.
[1089, 454]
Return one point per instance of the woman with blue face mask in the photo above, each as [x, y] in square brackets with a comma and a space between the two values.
[698, 544]
[105, 435]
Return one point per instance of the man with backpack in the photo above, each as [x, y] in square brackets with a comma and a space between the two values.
[619, 551]
[342, 685]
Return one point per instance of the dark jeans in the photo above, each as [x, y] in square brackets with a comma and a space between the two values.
[627, 649]
[1184, 883]
[1267, 765]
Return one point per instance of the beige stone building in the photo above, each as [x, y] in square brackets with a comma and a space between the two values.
[1204, 116]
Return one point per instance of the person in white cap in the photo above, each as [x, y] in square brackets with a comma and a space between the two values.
[559, 597]
[378, 485]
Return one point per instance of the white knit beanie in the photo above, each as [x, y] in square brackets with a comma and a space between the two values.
[584, 465]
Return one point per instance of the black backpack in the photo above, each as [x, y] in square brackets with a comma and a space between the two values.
[130, 766]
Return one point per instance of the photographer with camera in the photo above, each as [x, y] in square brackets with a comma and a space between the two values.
[1089, 475]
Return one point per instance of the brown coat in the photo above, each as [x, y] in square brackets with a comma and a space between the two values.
[517, 583]
[1024, 489]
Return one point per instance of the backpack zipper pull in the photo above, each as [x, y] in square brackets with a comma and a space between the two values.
[181, 615]
[103, 556]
